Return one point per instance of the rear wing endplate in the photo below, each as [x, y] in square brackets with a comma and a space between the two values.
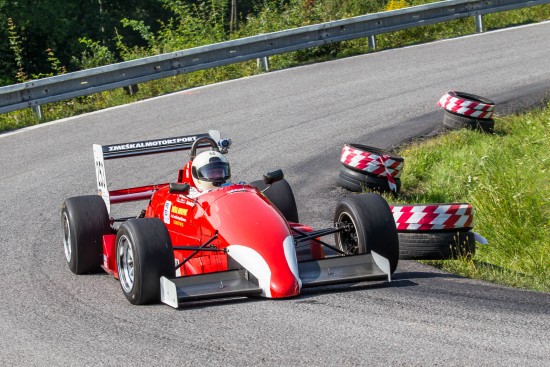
[132, 149]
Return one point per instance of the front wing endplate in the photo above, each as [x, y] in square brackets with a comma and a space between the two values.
[341, 269]
[231, 283]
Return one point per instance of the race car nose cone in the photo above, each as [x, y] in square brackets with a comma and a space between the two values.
[275, 278]
[286, 282]
[282, 288]
[275, 266]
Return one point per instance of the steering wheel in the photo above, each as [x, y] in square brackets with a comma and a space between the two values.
[204, 139]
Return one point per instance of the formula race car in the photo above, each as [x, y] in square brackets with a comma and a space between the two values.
[202, 237]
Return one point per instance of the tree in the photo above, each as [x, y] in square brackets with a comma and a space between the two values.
[54, 27]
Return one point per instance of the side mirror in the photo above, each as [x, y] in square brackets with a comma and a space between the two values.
[274, 176]
[178, 188]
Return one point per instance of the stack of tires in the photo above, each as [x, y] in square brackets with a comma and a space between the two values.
[464, 110]
[434, 231]
[374, 168]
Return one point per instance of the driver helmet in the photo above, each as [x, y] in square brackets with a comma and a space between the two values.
[210, 169]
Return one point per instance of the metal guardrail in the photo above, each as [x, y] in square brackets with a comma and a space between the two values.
[37, 92]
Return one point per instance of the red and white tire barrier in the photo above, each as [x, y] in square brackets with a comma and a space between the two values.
[467, 105]
[442, 245]
[430, 217]
[373, 161]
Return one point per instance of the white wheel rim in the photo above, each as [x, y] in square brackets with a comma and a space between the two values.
[125, 263]
[67, 238]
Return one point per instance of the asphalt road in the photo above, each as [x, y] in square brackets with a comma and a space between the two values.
[297, 120]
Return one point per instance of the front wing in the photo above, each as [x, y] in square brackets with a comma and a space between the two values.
[239, 282]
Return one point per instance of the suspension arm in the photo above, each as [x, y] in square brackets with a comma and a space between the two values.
[198, 249]
[303, 236]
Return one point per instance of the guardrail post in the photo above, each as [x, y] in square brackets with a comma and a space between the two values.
[372, 42]
[37, 110]
[263, 63]
[131, 89]
[479, 23]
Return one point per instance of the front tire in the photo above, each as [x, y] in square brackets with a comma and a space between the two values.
[85, 220]
[371, 227]
[144, 254]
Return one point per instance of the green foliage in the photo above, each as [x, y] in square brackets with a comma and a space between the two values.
[58, 26]
[193, 25]
[94, 54]
[57, 67]
[140, 27]
[505, 177]
[280, 15]
[17, 120]
[427, 33]
[517, 17]
[17, 49]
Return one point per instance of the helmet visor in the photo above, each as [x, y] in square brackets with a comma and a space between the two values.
[214, 171]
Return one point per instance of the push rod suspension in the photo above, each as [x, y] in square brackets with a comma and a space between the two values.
[124, 219]
[303, 236]
[197, 250]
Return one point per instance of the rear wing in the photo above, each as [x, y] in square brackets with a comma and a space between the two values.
[124, 150]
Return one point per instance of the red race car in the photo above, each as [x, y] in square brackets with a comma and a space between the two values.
[203, 237]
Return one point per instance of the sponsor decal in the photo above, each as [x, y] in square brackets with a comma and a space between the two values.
[183, 200]
[174, 214]
[152, 143]
[167, 207]
[177, 223]
[178, 218]
[179, 211]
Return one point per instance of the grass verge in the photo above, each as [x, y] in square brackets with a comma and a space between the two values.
[505, 176]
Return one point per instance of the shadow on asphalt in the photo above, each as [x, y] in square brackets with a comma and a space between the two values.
[305, 296]
[422, 275]
[217, 302]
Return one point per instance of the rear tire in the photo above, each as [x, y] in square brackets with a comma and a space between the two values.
[281, 196]
[372, 227]
[144, 254]
[85, 220]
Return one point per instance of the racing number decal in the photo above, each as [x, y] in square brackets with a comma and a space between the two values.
[167, 207]
[101, 179]
[101, 175]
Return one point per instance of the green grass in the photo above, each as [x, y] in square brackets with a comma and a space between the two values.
[505, 176]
